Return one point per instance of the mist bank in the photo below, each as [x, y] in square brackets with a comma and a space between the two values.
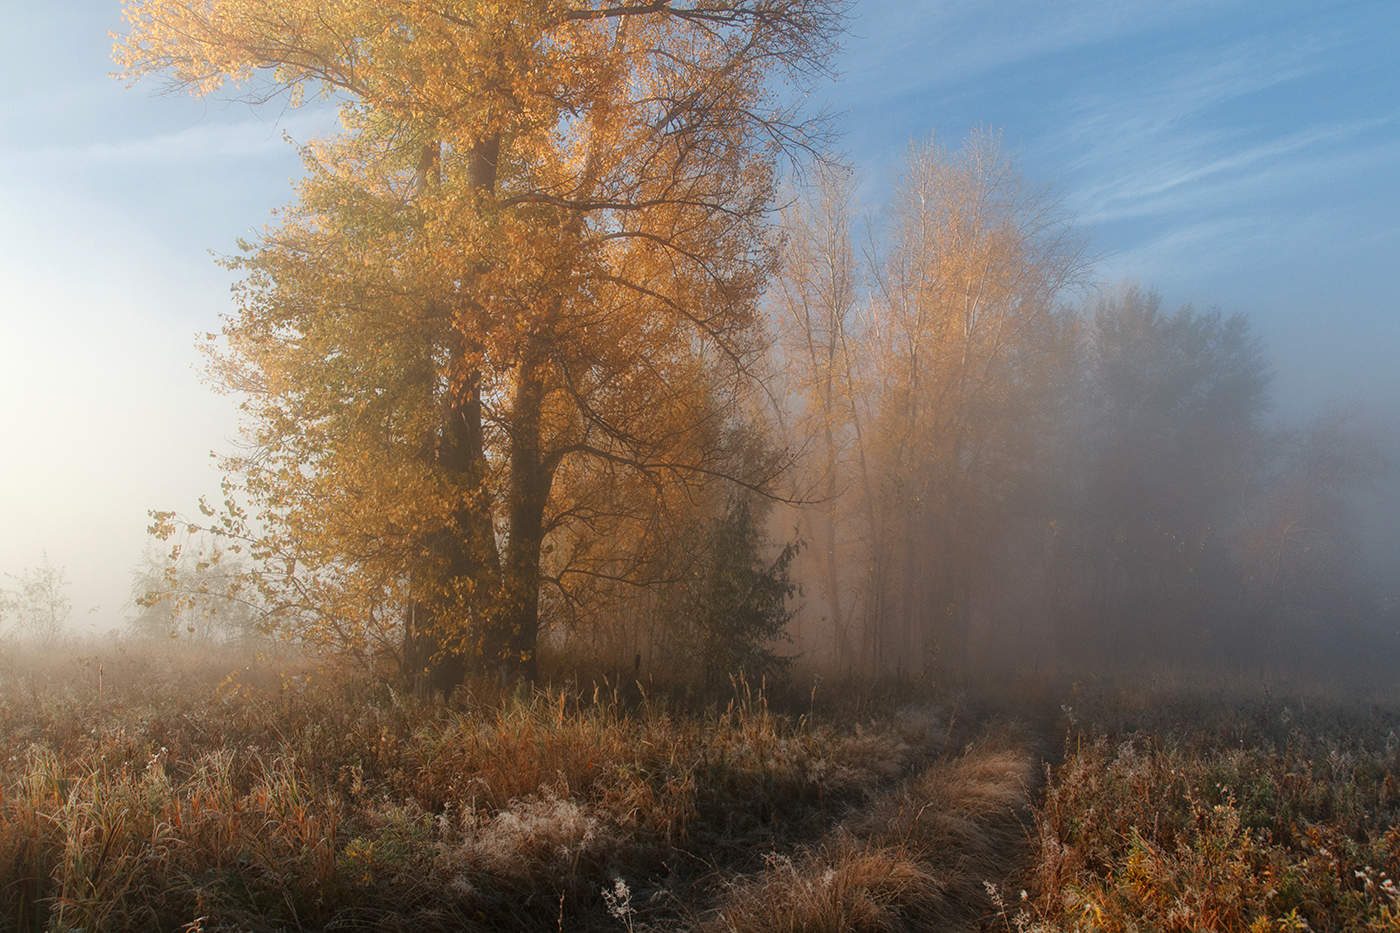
[1008, 471]
[955, 455]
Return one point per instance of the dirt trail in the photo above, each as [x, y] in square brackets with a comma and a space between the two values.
[918, 858]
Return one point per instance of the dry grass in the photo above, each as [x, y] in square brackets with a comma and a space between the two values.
[918, 858]
[1267, 816]
[846, 886]
[152, 787]
[163, 788]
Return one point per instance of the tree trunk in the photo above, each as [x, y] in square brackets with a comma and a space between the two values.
[529, 491]
[445, 632]
[832, 572]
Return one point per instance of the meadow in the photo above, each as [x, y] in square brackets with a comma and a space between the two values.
[162, 786]
[1221, 810]
[609, 370]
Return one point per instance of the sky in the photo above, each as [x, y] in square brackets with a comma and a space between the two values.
[1244, 155]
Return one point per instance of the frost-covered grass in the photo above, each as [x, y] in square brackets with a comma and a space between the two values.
[159, 787]
[166, 787]
[1220, 812]
[916, 858]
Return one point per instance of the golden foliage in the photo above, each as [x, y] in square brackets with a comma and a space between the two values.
[531, 259]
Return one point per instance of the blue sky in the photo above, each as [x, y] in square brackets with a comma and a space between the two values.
[1245, 155]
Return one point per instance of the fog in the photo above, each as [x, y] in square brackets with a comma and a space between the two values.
[105, 416]
[702, 465]
[1110, 432]
[1015, 465]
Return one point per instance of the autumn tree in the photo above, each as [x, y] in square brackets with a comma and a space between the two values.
[199, 592]
[530, 261]
[917, 388]
[36, 603]
[816, 301]
[1165, 451]
[966, 330]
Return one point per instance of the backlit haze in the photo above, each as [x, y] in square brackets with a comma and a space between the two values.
[1240, 155]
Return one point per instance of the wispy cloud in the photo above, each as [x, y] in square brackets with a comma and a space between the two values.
[1210, 174]
[903, 46]
[1195, 149]
[243, 139]
[1152, 103]
[1196, 250]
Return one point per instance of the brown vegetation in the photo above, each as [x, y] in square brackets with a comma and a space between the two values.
[918, 858]
[150, 788]
[1221, 812]
[168, 787]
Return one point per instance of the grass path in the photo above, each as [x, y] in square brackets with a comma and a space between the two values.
[919, 857]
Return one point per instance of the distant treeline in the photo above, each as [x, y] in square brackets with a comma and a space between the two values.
[1008, 478]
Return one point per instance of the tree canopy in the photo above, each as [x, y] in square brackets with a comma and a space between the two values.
[529, 263]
